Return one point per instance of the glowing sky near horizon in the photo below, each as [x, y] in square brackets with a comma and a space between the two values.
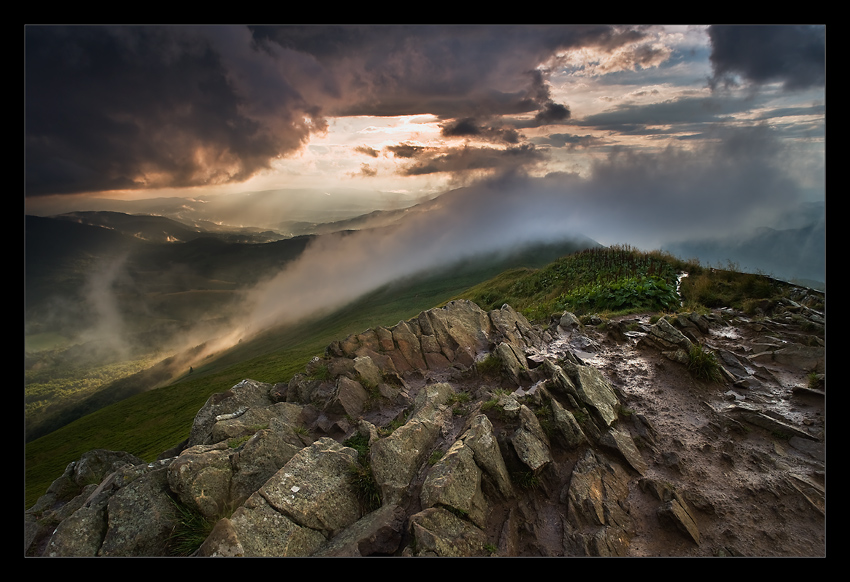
[643, 135]
[139, 112]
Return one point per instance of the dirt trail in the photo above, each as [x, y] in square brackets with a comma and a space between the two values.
[755, 493]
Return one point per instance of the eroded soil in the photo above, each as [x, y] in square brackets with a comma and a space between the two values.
[752, 491]
[755, 491]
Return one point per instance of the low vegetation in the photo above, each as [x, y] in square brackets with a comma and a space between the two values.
[621, 279]
[702, 364]
[190, 531]
[729, 288]
[613, 280]
[360, 473]
[616, 279]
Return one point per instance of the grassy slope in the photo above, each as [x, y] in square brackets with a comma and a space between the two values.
[152, 422]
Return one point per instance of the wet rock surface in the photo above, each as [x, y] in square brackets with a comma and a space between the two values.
[485, 435]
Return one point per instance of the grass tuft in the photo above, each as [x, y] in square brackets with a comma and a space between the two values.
[702, 364]
[190, 531]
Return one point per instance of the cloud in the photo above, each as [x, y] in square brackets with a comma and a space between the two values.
[689, 111]
[143, 107]
[469, 128]
[134, 107]
[724, 187]
[569, 140]
[367, 150]
[792, 55]
[476, 160]
[366, 171]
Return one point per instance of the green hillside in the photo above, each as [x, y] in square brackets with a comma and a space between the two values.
[606, 281]
[153, 421]
[615, 279]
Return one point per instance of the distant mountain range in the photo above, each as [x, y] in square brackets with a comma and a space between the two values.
[792, 254]
[289, 212]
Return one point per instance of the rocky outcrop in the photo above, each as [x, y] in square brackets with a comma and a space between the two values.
[405, 440]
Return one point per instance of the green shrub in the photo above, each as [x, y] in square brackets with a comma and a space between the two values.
[626, 294]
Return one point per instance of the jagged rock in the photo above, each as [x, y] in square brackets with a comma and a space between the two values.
[141, 515]
[597, 502]
[509, 406]
[80, 534]
[396, 458]
[561, 383]
[798, 356]
[261, 457]
[438, 532]
[201, 478]
[514, 327]
[530, 442]
[256, 529]
[313, 489]
[593, 390]
[622, 442]
[243, 396]
[481, 439]
[91, 468]
[644, 429]
[291, 493]
[296, 510]
[674, 509]
[83, 519]
[350, 398]
[455, 482]
[566, 425]
[665, 337]
[513, 364]
[300, 389]
[409, 346]
[377, 533]
[468, 325]
[568, 321]
[750, 414]
[251, 420]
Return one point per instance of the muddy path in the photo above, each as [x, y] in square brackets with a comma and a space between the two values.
[755, 491]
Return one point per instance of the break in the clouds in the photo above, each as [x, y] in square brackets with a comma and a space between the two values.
[143, 107]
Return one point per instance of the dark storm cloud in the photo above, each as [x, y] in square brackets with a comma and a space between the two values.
[469, 128]
[552, 113]
[683, 114]
[448, 71]
[173, 106]
[792, 55]
[405, 150]
[136, 107]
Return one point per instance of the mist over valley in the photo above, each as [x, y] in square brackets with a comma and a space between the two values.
[206, 204]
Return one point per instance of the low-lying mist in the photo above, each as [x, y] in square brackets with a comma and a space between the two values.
[725, 189]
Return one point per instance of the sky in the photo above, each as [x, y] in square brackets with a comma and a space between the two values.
[173, 110]
[628, 134]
